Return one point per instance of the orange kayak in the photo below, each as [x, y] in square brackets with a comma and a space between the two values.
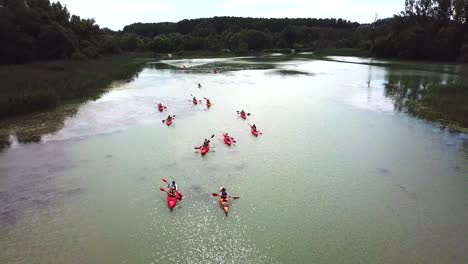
[224, 203]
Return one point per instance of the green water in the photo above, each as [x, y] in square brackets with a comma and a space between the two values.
[338, 175]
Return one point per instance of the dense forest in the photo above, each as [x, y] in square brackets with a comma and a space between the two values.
[35, 30]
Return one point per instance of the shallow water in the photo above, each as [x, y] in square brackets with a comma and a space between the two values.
[338, 176]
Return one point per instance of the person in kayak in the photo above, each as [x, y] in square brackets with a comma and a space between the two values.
[173, 188]
[199, 85]
[207, 101]
[206, 143]
[254, 127]
[242, 112]
[169, 118]
[223, 193]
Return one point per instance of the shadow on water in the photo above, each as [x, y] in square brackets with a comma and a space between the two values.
[440, 98]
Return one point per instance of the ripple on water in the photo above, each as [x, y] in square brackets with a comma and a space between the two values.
[203, 235]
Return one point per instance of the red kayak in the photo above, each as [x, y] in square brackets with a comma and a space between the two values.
[161, 108]
[204, 150]
[243, 116]
[227, 140]
[208, 104]
[255, 133]
[195, 102]
[224, 203]
[172, 200]
[168, 122]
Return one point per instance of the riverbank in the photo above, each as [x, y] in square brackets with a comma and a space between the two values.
[40, 86]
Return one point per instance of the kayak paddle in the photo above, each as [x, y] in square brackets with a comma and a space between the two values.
[163, 190]
[256, 130]
[231, 138]
[164, 120]
[212, 136]
[194, 96]
[238, 112]
[233, 197]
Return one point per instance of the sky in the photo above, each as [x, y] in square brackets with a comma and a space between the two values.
[115, 14]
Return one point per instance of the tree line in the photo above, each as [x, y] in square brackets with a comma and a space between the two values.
[426, 29]
[34, 30]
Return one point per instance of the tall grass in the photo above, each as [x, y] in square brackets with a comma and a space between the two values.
[33, 87]
[447, 103]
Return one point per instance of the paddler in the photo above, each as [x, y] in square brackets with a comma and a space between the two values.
[242, 112]
[206, 143]
[254, 127]
[173, 188]
[169, 118]
[223, 194]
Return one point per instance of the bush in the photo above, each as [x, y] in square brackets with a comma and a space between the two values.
[77, 55]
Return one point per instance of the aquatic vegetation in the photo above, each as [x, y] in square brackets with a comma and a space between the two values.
[292, 72]
[34, 87]
[445, 103]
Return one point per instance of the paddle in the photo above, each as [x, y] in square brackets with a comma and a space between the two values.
[231, 138]
[256, 130]
[233, 197]
[166, 119]
[238, 112]
[194, 96]
[162, 189]
[212, 136]
[208, 102]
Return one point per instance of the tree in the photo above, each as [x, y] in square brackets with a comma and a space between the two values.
[55, 42]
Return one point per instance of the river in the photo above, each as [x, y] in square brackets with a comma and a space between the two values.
[339, 175]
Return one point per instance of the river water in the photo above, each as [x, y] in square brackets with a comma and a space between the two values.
[338, 176]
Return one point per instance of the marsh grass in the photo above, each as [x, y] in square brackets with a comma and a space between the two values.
[34, 87]
[446, 104]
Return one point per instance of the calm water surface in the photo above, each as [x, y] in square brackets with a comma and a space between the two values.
[338, 175]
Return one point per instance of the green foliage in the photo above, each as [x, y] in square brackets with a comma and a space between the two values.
[427, 29]
[243, 34]
[34, 30]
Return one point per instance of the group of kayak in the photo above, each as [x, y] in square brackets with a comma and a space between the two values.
[228, 140]
[174, 195]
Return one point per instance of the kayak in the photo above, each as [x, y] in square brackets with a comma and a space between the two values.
[204, 150]
[255, 133]
[208, 104]
[195, 102]
[243, 116]
[224, 203]
[227, 140]
[172, 200]
[161, 108]
[168, 122]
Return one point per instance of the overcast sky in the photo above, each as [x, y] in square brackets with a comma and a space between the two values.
[115, 14]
